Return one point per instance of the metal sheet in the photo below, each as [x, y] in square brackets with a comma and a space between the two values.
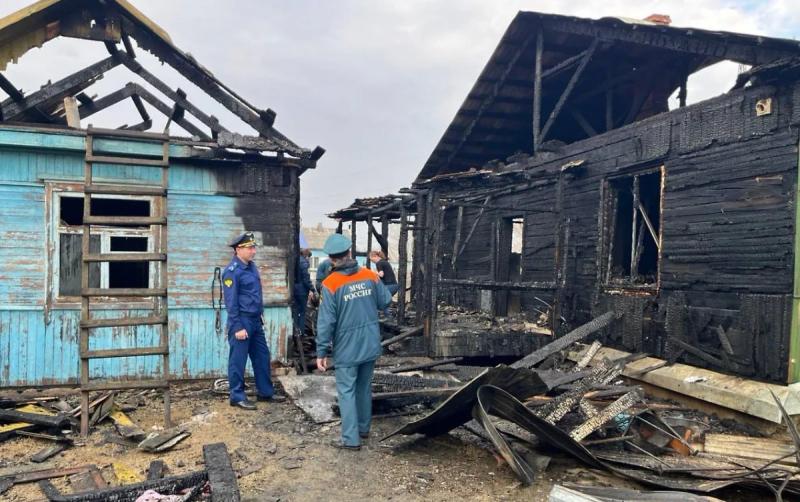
[314, 394]
[456, 410]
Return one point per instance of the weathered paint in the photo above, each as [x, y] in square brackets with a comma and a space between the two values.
[35, 353]
[42, 349]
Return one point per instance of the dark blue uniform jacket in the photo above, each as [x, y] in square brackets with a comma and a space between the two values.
[242, 288]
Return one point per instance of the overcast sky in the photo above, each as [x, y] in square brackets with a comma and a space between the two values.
[374, 82]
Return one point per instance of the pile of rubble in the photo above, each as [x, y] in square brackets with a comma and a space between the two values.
[56, 421]
[594, 415]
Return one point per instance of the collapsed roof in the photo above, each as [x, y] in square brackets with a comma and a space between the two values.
[593, 76]
[112, 22]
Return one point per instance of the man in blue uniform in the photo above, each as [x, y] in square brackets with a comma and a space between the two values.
[348, 329]
[245, 306]
[302, 290]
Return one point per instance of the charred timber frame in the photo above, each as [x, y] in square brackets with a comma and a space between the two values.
[566, 93]
[402, 267]
[57, 91]
[137, 93]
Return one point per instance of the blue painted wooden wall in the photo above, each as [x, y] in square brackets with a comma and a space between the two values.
[38, 347]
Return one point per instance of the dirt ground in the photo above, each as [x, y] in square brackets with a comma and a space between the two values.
[280, 454]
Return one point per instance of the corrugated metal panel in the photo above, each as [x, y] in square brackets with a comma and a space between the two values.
[32, 353]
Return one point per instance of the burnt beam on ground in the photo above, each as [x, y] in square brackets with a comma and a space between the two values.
[221, 477]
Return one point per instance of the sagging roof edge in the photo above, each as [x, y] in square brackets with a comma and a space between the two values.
[28, 28]
[25, 137]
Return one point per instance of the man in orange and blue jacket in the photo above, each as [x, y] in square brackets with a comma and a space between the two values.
[348, 329]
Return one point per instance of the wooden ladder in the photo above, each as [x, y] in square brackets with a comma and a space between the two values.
[159, 317]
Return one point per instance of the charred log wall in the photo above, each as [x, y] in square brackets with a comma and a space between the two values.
[726, 225]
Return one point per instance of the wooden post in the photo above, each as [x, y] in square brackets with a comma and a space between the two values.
[634, 226]
[457, 239]
[537, 89]
[682, 92]
[437, 223]
[385, 233]
[353, 239]
[368, 263]
[402, 266]
[71, 112]
[418, 275]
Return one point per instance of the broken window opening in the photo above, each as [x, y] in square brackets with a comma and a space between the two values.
[71, 208]
[126, 274]
[509, 263]
[104, 239]
[635, 235]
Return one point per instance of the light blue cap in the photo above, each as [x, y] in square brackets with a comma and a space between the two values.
[336, 244]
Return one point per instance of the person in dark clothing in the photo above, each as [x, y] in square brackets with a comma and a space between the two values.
[302, 290]
[385, 272]
[322, 272]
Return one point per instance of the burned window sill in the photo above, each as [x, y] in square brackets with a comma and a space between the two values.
[628, 288]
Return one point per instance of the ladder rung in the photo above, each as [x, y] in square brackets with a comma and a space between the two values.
[105, 159]
[125, 257]
[124, 190]
[124, 292]
[124, 321]
[137, 351]
[124, 385]
[125, 220]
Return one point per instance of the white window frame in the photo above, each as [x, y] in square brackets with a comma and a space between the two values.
[105, 233]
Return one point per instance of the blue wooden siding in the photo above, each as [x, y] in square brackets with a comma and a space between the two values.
[35, 353]
[40, 349]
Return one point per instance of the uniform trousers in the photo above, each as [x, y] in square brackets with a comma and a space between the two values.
[255, 346]
[354, 387]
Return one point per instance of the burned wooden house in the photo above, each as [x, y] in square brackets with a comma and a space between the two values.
[111, 237]
[566, 187]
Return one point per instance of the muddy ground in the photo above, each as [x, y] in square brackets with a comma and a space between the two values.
[281, 455]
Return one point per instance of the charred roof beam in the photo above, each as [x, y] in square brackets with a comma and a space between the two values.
[137, 93]
[57, 91]
[178, 97]
[488, 99]
[567, 91]
[260, 120]
[17, 96]
[690, 41]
